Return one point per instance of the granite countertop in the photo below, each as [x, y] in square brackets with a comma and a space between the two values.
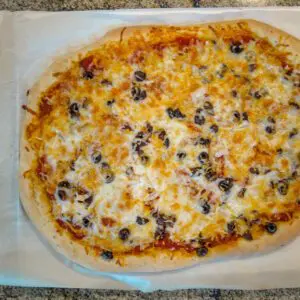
[59, 293]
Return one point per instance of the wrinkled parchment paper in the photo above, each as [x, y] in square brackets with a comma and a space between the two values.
[28, 42]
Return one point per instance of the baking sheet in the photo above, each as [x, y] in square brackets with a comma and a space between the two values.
[28, 42]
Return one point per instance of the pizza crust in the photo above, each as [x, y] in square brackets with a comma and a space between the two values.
[38, 209]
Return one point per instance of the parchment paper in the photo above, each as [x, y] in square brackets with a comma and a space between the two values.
[28, 42]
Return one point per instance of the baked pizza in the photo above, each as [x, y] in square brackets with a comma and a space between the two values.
[156, 148]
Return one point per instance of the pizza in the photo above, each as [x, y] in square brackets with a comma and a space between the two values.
[158, 147]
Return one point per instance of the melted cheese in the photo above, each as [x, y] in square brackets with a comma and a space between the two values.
[178, 76]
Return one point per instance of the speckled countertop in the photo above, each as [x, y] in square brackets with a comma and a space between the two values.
[208, 294]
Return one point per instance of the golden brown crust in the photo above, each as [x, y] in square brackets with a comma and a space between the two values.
[39, 211]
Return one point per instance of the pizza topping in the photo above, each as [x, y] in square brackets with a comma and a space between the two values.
[199, 119]
[162, 134]
[282, 187]
[62, 195]
[175, 113]
[202, 251]
[271, 227]
[149, 128]
[167, 142]
[250, 56]
[107, 255]
[138, 143]
[160, 233]
[234, 93]
[214, 128]
[236, 47]
[141, 220]
[181, 155]
[108, 176]
[252, 67]
[106, 82]
[231, 227]
[139, 76]
[164, 220]
[195, 172]
[222, 70]
[110, 102]
[270, 129]
[242, 192]
[203, 157]
[138, 94]
[226, 184]
[205, 208]
[124, 234]
[236, 116]
[210, 174]
[96, 157]
[202, 141]
[245, 116]
[293, 133]
[144, 159]
[87, 63]
[208, 108]
[294, 105]
[254, 170]
[64, 184]
[129, 171]
[271, 120]
[88, 201]
[86, 222]
[107, 173]
[188, 154]
[74, 110]
[88, 75]
[262, 92]
[248, 236]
